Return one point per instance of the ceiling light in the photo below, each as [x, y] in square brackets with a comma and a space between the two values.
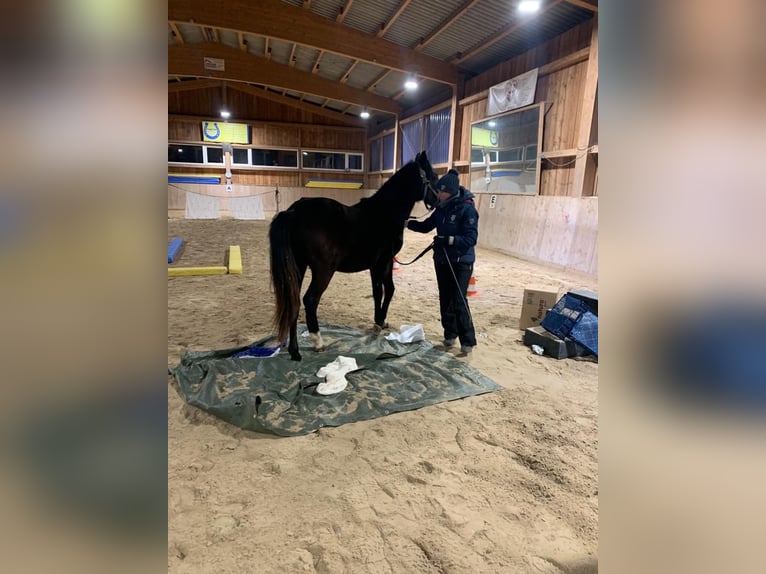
[492, 124]
[365, 114]
[225, 114]
[411, 84]
[529, 6]
[180, 150]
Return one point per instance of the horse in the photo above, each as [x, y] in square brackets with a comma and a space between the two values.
[327, 236]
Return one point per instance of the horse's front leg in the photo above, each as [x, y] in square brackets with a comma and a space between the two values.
[388, 292]
[382, 291]
[377, 297]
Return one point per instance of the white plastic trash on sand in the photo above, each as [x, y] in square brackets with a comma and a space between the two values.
[335, 375]
[537, 349]
[408, 334]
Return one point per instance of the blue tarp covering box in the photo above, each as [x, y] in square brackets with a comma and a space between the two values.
[572, 318]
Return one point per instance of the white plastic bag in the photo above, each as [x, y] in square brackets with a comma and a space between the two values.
[408, 334]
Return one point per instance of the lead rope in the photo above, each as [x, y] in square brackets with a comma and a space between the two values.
[426, 250]
[459, 290]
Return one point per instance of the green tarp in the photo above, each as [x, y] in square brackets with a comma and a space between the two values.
[277, 395]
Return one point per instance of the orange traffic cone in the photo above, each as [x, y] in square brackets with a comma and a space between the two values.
[396, 265]
[472, 290]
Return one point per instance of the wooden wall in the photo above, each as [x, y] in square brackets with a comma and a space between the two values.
[558, 226]
[274, 134]
[562, 231]
[242, 105]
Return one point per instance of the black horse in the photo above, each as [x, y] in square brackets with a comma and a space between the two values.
[327, 236]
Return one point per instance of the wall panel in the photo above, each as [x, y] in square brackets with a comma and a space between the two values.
[558, 230]
[286, 197]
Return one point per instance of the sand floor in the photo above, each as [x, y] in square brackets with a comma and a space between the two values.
[499, 483]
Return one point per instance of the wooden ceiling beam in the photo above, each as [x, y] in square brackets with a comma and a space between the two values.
[306, 107]
[384, 27]
[486, 43]
[374, 83]
[583, 4]
[346, 76]
[343, 12]
[277, 20]
[188, 60]
[446, 23]
[193, 85]
[315, 67]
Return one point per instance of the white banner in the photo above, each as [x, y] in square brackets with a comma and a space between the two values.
[215, 64]
[513, 93]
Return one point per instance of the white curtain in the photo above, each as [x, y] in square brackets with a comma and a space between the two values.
[247, 207]
[200, 206]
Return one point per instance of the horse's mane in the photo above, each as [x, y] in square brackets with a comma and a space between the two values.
[391, 189]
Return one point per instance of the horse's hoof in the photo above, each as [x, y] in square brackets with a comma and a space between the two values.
[317, 342]
[295, 357]
[378, 328]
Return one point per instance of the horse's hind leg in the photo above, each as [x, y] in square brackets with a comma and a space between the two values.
[292, 347]
[319, 282]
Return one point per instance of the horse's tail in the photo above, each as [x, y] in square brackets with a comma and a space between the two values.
[284, 275]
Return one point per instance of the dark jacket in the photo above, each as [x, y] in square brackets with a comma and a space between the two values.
[458, 221]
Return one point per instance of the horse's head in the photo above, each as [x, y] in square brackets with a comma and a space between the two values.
[429, 179]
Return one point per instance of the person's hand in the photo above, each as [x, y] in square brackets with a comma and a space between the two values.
[441, 241]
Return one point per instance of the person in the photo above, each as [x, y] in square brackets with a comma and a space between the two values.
[456, 221]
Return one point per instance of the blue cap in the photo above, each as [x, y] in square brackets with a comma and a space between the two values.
[449, 183]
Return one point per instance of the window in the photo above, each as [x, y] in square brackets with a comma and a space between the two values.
[476, 155]
[332, 160]
[182, 153]
[412, 135]
[530, 157]
[274, 157]
[437, 127]
[241, 156]
[510, 142]
[430, 133]
[375, 155]
[214, 154]
[388, 152]
[513, 154]
[244, 157]
[323, 160]
[355, 162]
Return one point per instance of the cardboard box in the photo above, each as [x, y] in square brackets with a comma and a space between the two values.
[534, 306]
